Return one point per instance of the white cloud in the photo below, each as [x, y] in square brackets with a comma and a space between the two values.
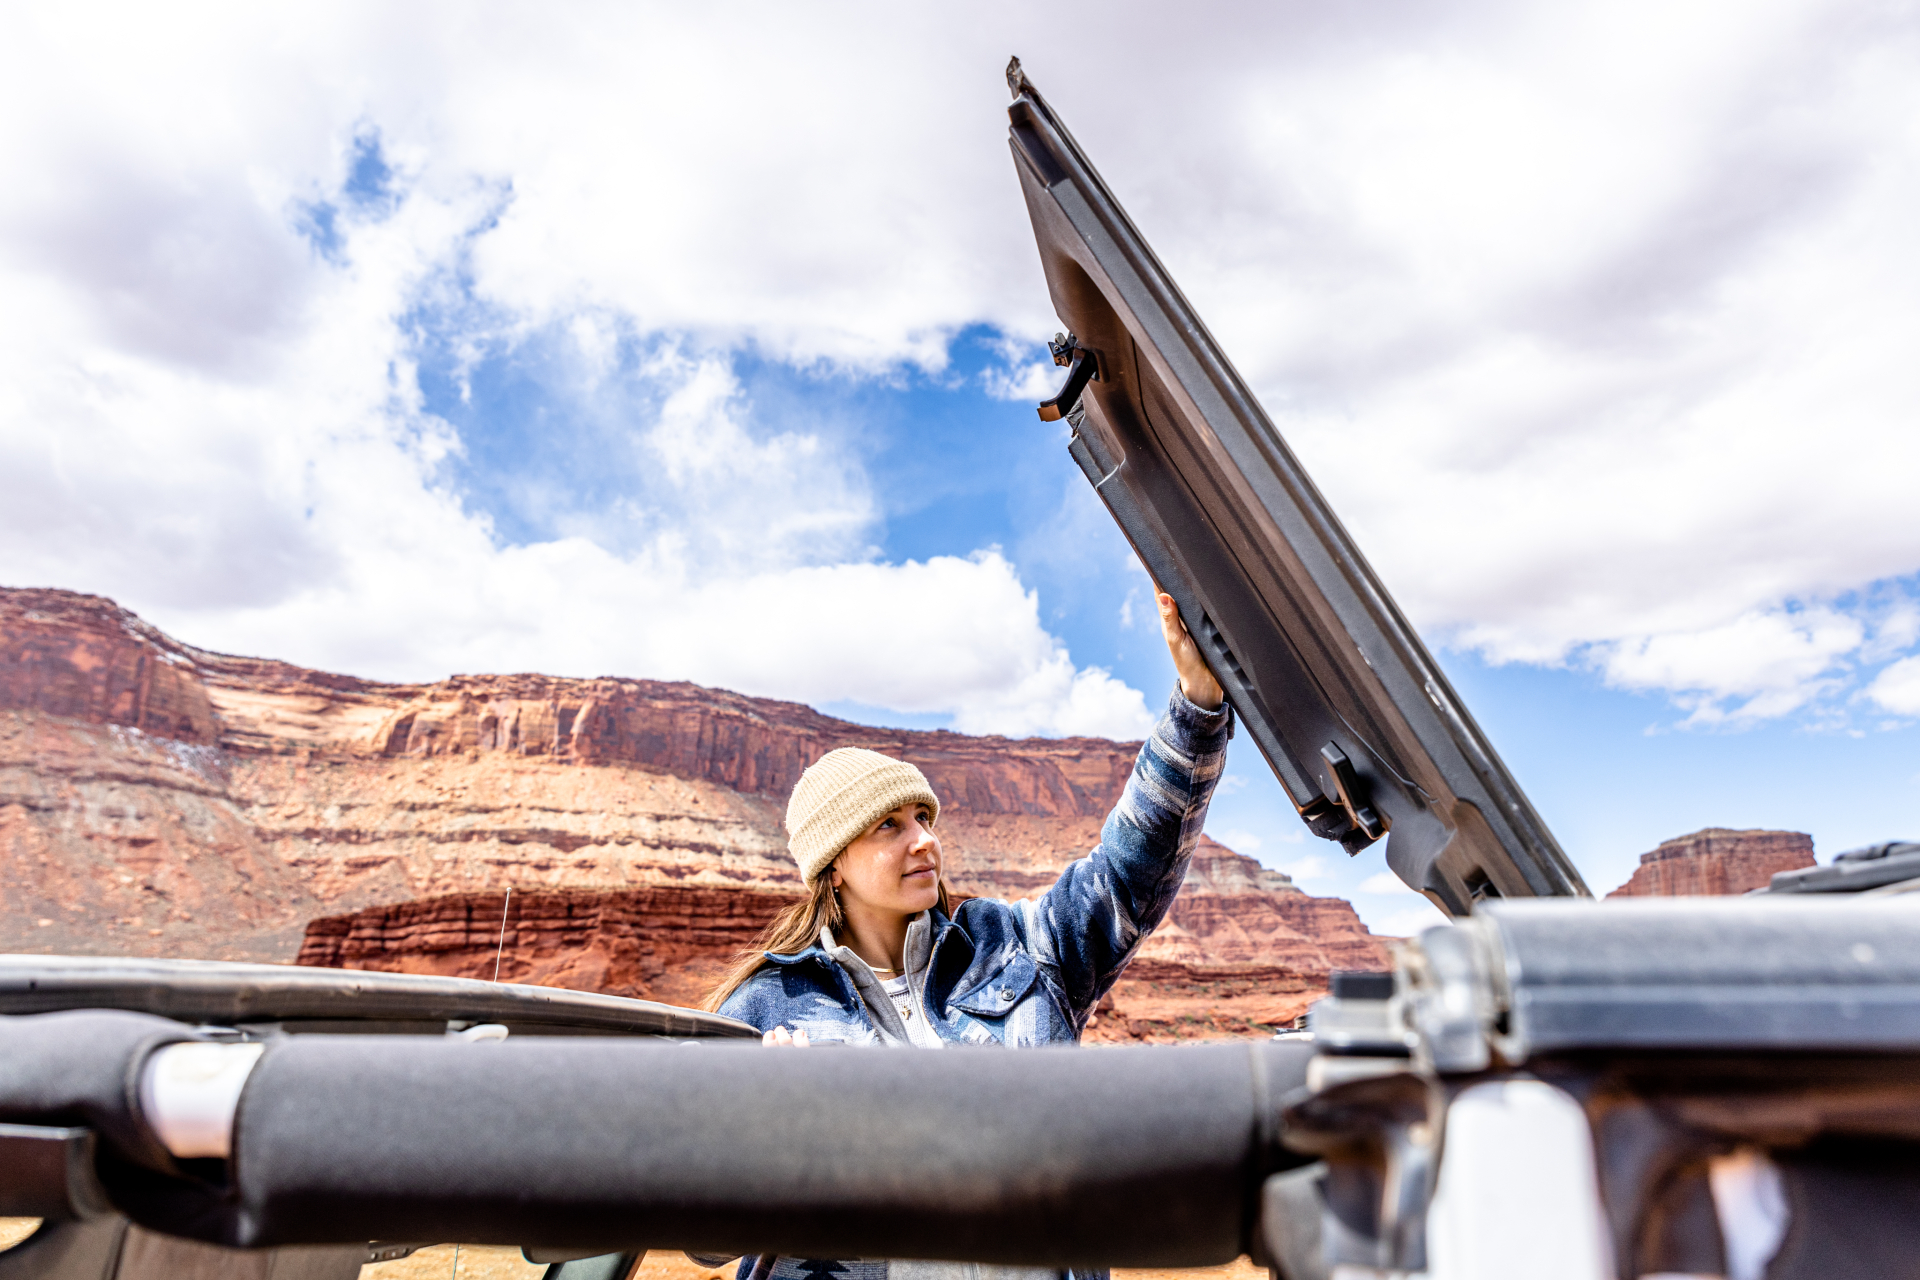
[1240, 841]
[1384, 883]
[1403, 922]
[1630, 372]
[1032, 382]
[1311, 867]
[1773, 661]
[733, 501]
[1598, 339]
[1897, 688]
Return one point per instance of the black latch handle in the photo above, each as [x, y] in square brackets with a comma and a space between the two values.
[1350, 793]
[1085, 369]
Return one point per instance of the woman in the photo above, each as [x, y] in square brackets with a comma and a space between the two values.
[878, 953]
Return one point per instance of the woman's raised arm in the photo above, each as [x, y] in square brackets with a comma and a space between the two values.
[1087, 927]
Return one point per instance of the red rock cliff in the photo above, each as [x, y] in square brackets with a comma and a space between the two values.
[138, 773]
[665, 943]
[84, 658]
[1243, 949]
[1717, 861]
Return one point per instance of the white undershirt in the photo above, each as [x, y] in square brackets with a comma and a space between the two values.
[919, 1034]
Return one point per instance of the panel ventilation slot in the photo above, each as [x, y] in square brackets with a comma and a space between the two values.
[1217, 646]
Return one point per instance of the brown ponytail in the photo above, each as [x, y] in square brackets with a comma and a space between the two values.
[795, 927]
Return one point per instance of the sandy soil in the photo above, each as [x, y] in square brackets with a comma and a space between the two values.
[491, 1262]
[1238, 1269]
[495, 1262]
[473, 1262]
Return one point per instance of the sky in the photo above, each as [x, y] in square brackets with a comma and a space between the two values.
[702, 342]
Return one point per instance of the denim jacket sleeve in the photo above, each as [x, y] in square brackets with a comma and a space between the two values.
[1089, 924]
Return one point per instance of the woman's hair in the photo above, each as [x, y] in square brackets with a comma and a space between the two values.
[794, 928]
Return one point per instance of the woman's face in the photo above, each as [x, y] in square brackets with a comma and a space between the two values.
[892, 866]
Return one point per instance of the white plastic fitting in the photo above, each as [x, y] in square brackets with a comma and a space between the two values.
[190, 1093]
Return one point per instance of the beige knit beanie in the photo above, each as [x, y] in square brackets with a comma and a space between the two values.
[840, 795]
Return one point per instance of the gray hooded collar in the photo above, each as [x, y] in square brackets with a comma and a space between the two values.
[919, 952]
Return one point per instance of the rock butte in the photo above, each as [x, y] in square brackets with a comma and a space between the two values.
[1717, 861]
[158, 799]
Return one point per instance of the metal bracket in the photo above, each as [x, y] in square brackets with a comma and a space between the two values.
[1329, 821]
[1350, 793]
[1379, 1132]
[1016, 78]
[49, 1173]
[1067, 351]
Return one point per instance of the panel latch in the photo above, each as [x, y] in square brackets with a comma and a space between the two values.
[1350, 792]
[1067, 351]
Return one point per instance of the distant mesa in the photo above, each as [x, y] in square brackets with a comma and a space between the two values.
[1717, 861]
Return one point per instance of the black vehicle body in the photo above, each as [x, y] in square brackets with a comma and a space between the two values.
[1694, 1043]
[48, 1171]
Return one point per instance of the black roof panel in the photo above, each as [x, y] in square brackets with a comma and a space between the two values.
[227, 994]
[1344, 700]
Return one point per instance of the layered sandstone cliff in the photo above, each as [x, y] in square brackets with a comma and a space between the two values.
[137, 774]
[662, 942]
[158, 799]
[1243, 949]
[1717, 861]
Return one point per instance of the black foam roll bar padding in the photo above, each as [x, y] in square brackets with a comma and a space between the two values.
[1054, 1157]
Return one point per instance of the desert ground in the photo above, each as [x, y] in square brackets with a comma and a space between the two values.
[489, 1262]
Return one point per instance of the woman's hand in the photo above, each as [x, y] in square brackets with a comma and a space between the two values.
[1196, 681]
[780, 1035]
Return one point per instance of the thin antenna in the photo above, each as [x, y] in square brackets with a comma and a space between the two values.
[456, 1262]
[497, 953]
